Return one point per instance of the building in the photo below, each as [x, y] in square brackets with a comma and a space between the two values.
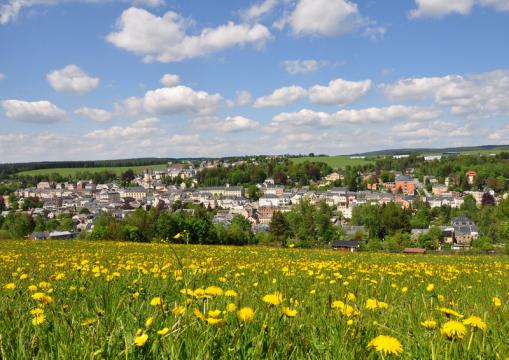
[439, 189]
[136, 193]
[465, 231]
[414, 251]
[43, 185]
[471, 174]
[345, 245]
[432, 157]
[405, 184]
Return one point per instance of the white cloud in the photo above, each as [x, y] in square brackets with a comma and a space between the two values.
[2, 76]
[165, 39]
[482, 95]
[132, 134]
[37, 112]
[170, 80]
[181, 99]
[94, 114]
[10, 10]
[131, 107]
[302, 66]
[439, 8]
[339, 92]
[72, 80]
[236, 124]
[281, 97]
[258, 10]
[306, 117]
[244, 98]
[324, 17]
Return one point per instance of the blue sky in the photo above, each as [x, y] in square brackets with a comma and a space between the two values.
[85, 79]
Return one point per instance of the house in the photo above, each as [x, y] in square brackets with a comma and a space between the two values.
[43, 185]
[345, 245]
[471, 174]
[465, 231]
[39, 235]
[136, 193]
[439, 189]
[59, 235]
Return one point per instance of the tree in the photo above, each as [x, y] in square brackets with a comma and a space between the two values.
[278, 228]
[421, 219]
[254, 193]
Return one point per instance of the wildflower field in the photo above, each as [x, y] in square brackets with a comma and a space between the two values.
[122, 300]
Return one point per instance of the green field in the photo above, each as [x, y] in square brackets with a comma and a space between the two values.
[73, 171]
[112, 300]
[497, 150]
[335, 162]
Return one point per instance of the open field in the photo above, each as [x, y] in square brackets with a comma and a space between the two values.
[73, 171]
[335, 162]
[497, 150]
[125, 300]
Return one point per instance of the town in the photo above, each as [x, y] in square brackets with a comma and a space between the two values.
[178, 187]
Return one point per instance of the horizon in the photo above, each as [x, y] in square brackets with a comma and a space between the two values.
[130, 79]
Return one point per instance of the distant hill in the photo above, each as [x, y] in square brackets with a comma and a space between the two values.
[464, 149]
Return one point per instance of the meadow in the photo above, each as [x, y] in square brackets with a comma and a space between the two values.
[73, 171]
[335, 162]
[109, 300]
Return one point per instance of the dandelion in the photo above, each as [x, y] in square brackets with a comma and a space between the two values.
[475, 322]
[163, 331]
[387, 345]
[230, 293]
[141, 339]
[496, 301]
[214, 313]
[32, 288]
[214, 321]
[289, 312]
[448, 312]
[430, 287]
[453, 330]
[10, 286]
[38, 316]
[38, 296]
[214, 291]
[273, 299]
[88, 322]
[429, 324]
[231, 307]
[179, 310]
[149, 322]
[199, 314]
[246, 314]
[156, 301]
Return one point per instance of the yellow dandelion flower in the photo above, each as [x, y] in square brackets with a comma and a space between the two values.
[273, 299]
[141, 339]
[179, 310]
[214, 313]
[230, 293]
[289, 312]
[10, 286]
[387, 345]
[246, 314]
[163, 331]
[475, 322]
[199, 314]
[214, 321]
[214, 291]
[38, 296]
[496, 301]
[149, 321]
[448, 312]
[453, 330]
[231, 307]
[156, 301]
[430, 287]
[429, 324]
[88, 322]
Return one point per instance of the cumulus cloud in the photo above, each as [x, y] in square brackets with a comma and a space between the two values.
[483, 95]
[323, 17]
[2, 76]
[302, 66]
[72, 80]
[244, 98]
[137, 131]
[236, 124]
[165, 39]
[181, 99]
[439, 8]
[281, 97]
[258, 10]
[306, 117]
[95, 114]
[339, 92]
[37, 112]
[170, 80]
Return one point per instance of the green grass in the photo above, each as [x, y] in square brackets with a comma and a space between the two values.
[97, 296]
[73, 171]
[497, 150]
[335, 162]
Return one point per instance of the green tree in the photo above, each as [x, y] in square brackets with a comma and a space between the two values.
[278, 228]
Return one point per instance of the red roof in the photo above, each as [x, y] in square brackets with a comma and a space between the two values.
[414, 251]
